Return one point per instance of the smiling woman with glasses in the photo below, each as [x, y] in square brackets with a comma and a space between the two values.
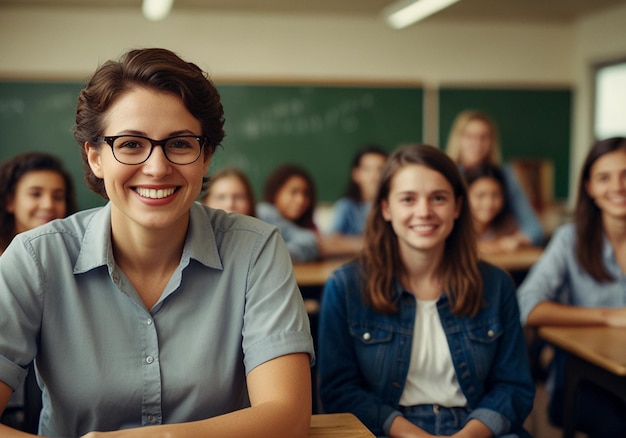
[155, 315]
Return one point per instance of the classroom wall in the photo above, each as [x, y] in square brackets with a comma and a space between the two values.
[67, 43]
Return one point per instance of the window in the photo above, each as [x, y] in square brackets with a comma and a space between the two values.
[610, 100]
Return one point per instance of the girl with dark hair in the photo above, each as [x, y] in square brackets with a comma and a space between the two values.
[35, 188]
[289, 201]
[417, 337]
[580, 280]
[155, 315]
[350, 212]
[495, 226]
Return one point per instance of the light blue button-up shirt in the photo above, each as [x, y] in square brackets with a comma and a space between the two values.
[105, 362]
[558, 276]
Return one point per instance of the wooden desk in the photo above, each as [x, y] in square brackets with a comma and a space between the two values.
[338, 425]
[316, 273]
[519, 260]
[596, 354]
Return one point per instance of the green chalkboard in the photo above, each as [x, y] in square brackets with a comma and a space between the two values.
[38, 116]
[532, 123]
[319, 127]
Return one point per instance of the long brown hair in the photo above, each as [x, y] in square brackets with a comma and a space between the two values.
[380, 259]
[588, 217]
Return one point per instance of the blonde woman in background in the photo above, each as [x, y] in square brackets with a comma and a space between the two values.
[474, 141]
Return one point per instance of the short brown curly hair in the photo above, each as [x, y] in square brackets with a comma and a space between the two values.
[157, 69]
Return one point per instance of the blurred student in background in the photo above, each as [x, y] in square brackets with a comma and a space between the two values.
[229, 189]
[418, 286]
[289, 201]
[35, 188]
[474, 141]
[495, 226]
[580, 280]
[350, 212]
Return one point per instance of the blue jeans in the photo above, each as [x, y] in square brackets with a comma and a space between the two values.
[438, 420]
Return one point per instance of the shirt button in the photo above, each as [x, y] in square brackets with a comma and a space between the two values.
[150, 418]
[149, 359]
[149, 321]
[490, 333]
[367, 336]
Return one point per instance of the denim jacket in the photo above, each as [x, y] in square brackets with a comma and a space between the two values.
[364, 356]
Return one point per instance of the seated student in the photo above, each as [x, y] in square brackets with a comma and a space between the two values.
[473, 141]
[580, 280]
[155, 315]
[350, 212]
[494, 223]
[289, 201]
[418, 286]
[35, 188]
[229, 189]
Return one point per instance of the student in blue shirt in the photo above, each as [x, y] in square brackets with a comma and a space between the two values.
[155, 315]
[473, 141]
[289, 202]
[416, 337]
[580, 280]
[350, 212]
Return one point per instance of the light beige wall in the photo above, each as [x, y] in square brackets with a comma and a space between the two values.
[72, 42]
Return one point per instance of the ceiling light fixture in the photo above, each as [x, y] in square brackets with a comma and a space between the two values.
[406, 12]
[156, 10]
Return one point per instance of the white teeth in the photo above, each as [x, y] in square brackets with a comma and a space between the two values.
[154, 193]
[424, 227]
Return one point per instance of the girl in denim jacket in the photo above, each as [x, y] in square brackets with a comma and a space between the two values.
[417, 337]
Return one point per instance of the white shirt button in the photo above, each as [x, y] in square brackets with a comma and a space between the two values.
[367, 336]
[490, 333]
[149, 359]
[149, 322]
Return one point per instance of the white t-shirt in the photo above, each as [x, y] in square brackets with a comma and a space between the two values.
[431, 378]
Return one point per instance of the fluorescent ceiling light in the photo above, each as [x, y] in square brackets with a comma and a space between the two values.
[156, 10]
[406, 12]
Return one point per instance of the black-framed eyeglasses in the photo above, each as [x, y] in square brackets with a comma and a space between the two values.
[136, 149]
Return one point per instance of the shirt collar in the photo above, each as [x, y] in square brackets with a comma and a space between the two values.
[96, 249]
